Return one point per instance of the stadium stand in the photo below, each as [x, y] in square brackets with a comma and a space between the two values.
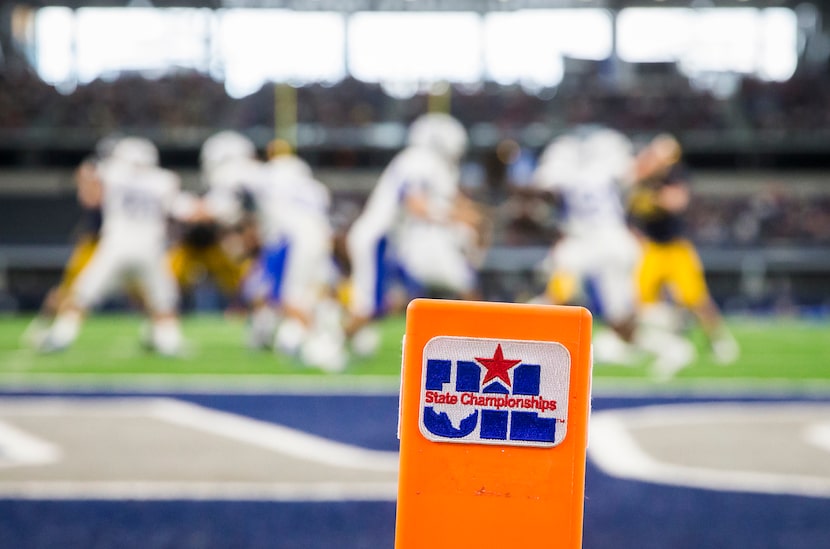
[758, 111]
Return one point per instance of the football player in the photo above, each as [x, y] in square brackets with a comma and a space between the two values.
[587, 169]
[294, 273]
[216, 244]
[137, 200]
[670, 261]
[230, 172]
[420, 185]
[88, 193]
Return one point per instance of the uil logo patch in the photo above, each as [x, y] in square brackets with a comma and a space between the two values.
[493, 391]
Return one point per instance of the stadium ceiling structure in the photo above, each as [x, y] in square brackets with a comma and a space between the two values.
[347, 6]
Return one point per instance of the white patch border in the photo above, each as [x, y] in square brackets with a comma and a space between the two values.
[488, 442]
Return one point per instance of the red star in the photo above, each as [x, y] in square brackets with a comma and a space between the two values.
[497, 367]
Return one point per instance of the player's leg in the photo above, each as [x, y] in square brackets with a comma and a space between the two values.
[295, 296]
[650, 273]
[261, 290]
[691, 291]
[93, 283]
[161, 291]
[567, 261]
[183, 264]
[609, 259]
[613, 257]
[433, 257]
[82, 253]
[310, 328]
[672, 351]
[367, 252]
[223, 269]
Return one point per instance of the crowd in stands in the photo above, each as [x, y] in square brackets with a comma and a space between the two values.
[797, 104]
[771, 217]
[194, 101]
[187, 100]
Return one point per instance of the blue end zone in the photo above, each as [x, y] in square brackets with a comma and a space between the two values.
[189, 524]
[618, 513]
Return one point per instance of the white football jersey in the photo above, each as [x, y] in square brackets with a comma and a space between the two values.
[137, 202]
[413, 170]
[293, 212]
[587, 168]
[226, 184]
[290, 202]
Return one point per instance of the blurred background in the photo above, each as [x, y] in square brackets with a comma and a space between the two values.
[743, 84]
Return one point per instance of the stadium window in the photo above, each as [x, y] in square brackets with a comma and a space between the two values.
[255, 46]
[527, 46]
[721, 40]
[409, 47]
[755, 41]
[652, 35]
[779, 51]
[109, 41]
[53, 45]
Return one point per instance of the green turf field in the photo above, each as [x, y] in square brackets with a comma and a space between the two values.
[786, 350]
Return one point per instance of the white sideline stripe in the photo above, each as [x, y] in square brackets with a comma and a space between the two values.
[18, 448]
[381, 385]
[616, 452]
[205, 383]
[608, 386]
[818, 434]
[208, 491]
[274, 437]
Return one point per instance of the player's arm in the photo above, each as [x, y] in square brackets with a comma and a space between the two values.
[466, 211]
[546, 181]
[189, 208]
[656, 158]
[658, 161]
[414, 192]
[416, 204]
[176, 203]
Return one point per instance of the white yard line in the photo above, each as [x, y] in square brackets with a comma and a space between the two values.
[614, 449]
[201, 491]
[262, 434]
[271, 436]
[818, 434]
[23, 449]
[18, 448]
[709, 387]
